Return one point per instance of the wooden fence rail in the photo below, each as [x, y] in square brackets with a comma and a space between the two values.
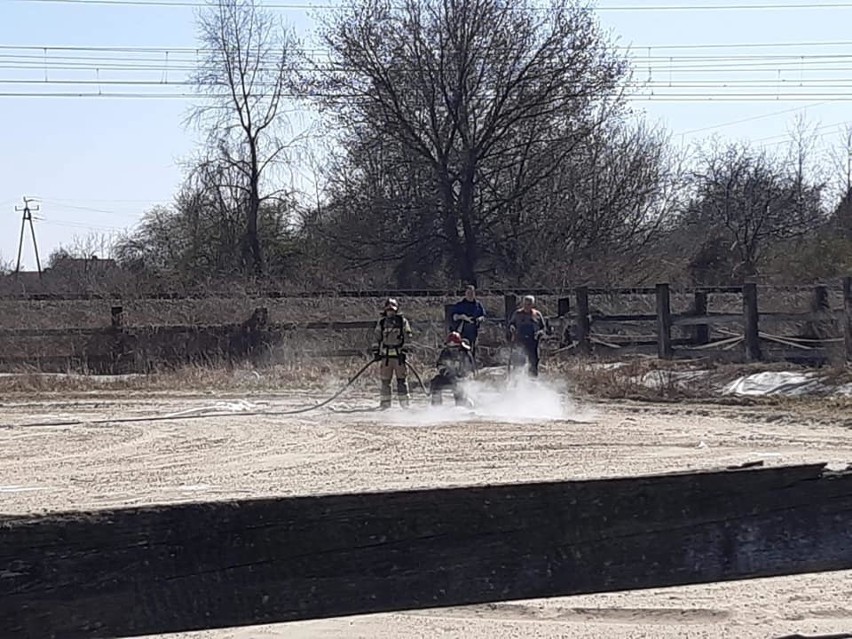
[171, 568]
[121, 348]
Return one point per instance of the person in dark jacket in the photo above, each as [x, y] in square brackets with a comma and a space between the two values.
[467, 316]
[455, 363]
[526, 328]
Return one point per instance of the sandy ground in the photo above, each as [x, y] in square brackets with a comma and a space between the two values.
[49, 468]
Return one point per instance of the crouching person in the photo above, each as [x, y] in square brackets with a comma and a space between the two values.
[455, 363]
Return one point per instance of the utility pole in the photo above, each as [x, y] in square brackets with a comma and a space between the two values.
[27, 217]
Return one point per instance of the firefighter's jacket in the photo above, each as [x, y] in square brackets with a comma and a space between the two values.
[455, 362]
[390, 334]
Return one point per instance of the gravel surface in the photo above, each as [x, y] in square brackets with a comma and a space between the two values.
[83, 466]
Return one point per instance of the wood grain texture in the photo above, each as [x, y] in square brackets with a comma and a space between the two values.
[206, 565]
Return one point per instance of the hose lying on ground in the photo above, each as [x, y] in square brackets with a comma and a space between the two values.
[175, 416]
[417, 375]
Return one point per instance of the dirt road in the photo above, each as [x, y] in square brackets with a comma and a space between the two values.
[49, 468]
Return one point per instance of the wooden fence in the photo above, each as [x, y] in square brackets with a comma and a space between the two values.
[823, 326]
[171, 568]
[742, 335]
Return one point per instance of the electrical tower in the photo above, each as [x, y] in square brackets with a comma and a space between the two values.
[27, 217]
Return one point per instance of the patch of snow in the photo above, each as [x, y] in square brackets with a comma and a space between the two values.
[788, 384]
[240, 406]
[844, 391]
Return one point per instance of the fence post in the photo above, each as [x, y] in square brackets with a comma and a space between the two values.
[117, 316]
[701, 333]
[820, 299]
[563, 309]
[664, 322]
[751, 321]
[816, 328]
[510, 303]
[118, 346]
[253, 332]
[847, 307]
[449, 325]
[583, 325]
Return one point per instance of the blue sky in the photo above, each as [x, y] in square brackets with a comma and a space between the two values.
[97, 163]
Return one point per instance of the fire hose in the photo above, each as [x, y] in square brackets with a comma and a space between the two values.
[196, 415]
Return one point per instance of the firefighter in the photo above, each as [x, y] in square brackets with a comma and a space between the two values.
[391, 331]
[455, 363]
[467, 315]
[527, 326]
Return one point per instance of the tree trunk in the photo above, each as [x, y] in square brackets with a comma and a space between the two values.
[252, 235]
[450, 219]
[470, 255]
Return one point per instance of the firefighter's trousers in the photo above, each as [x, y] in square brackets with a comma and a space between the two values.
[388, 367]
[439, 383]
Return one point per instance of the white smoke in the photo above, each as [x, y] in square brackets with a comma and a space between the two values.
[494, 398]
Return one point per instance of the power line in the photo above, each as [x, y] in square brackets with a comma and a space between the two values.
[786, 136]
[750, 119]
[169, 56]
[51, 198]
[801, 64]
[740, 45]
[643, 47]
[45, 54]
[714, 87]
[61, 205]
[619, 8]
[84, 226]
[674, 97]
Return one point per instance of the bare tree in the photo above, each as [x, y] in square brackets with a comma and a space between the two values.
[840, 156]
[247, 73]
[754, 200]
[601, 207]
[467, 89]
[801, 157]
[92, 245]
[841, 160]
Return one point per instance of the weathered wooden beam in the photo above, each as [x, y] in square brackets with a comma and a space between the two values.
[622, 318]
[700, 332]
[847, 320]
[801, 318]
[563, 313]
[664, 322]
[707, 320]
[751, 322]
[583, 327]
[712, 319]
[180, 567]
[510, 303]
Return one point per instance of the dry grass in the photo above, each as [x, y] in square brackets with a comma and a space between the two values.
[643, 379]
[653, 380]
[187, 379]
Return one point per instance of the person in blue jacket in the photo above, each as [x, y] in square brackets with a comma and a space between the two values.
[467, 316]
